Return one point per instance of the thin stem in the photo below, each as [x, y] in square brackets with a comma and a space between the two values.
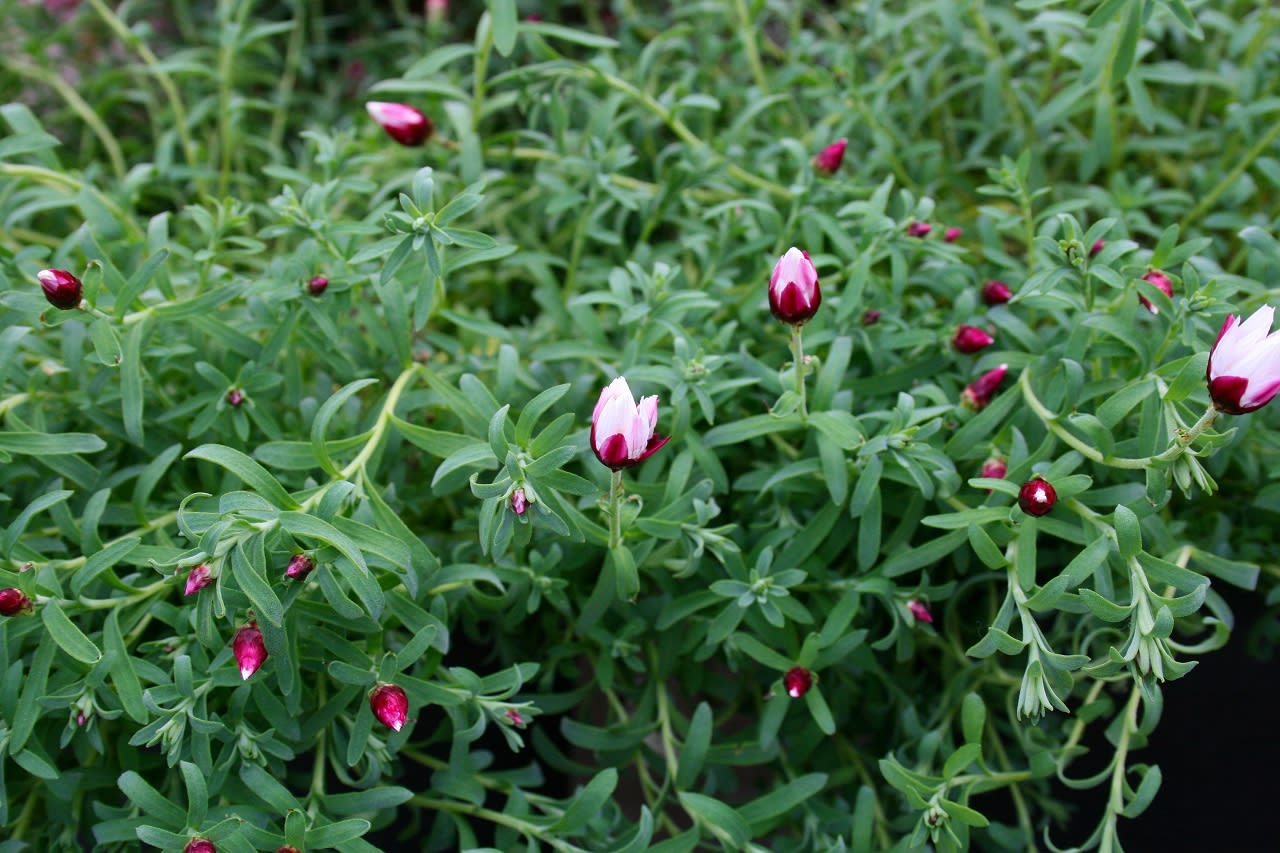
[747, 31]
[80, 107]
[1228, 180]
[797, 357]
[59, 179]
[615, 514]
[522, 826]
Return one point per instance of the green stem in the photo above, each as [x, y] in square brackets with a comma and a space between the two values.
[747, 31]
[615, 513]
[797, 357]
[68, 182]
[80, 107]
[511, 821]
[1210, 198]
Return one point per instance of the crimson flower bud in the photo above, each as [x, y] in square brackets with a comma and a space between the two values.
[287, 849]
[797, 681]
[794, 295]
[235, 397]
[197, 579]
[952, 234]
[1244, 364]
[978, 393]
[250, 650]
[317, 284]
[300, 565]
[996, 293]
[1096, 248]
[513, 716]
[622, 431]
[14, 601]
[436, 10]
[994, 468]
[402, 122]
[919, 229]
[1037, 497]
[199, 845]
[870, 317]
[919, 611]
[519, 502]
[971, 339]
[828, 160]
[390, 705]
[61, 288]
[1161, 281]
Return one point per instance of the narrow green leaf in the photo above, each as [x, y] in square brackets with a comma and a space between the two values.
[249, 471]
[68, 637]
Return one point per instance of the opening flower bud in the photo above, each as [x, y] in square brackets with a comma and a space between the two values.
[1096, 248]
[235, 397]
[622, 431]
[978, 393]
[794, 295]
[952, 234]
[994, 468]
[390, 705]
[828, 160]
[1037, 497]
[61, 288]
[971, 339]
[1244, 364]
[797, 681]
[996, 293]
[513, 717]
[14, 601]
[1161, 281]
[519, 502]
[402, 122]
[919, 229]
[300, 565]
[919, 611]
[317, 285]
[197, 579]
[250, 651]
[287, 849]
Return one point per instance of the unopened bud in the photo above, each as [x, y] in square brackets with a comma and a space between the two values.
[390, 705]
[919, 229]
[952, 234]
[919, 611]
[300, 565]
[519, 502]
[61, 288]
[235, 397]
[14, 601]
[971, 339]
[250, 651]
[797, 681]
[996, 293]
[197, 579]
[317, 285]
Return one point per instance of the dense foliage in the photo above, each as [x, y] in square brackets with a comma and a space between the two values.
[306, 538]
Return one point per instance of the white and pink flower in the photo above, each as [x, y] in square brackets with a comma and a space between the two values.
[1244, 364]
[622, 431]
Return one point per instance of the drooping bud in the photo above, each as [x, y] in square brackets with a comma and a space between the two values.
[996, 293]
[971, 339]
[390, 705]
[300, 565]
[1244, 365]
[200, 845]
[402, 122]
[978, 393]
[919, 229]
[1161, 281]
[828, 160]
[1096, 248]
[1037, 497]
[197, 579]
[870, 317]
[797, 681]
[952, 234]
[994, 468]
[622, 431]
[317, 284]
[249, 649]
[794, 294]
[920, 611]
[14, 601]
[519, 502]
[61, 288]
[235, 397]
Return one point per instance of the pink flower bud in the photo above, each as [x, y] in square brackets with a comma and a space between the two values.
[317, 284]
[952, 234]
[197, 579]
[1096, 248]
[61, 288]
[14, 601]
[390, 705]
[794, 295]
[513, 717]
[919, 229]
[1244, 364]
[235, 397]
[828, 160]
[436, 10]
[1161, 281]
[402, 122]
[978, 393]
[996, 293]
[994, 468]
[199, 845]
[870, 317]
[797, 681]
[249, 649]
[622, 431]
[919, 611]
[287, 849]
[1037, 497]
[81, 719]
[971, 339]
[519, 502]
[300, 565]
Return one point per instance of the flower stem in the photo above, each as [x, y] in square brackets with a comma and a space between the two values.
[797, 357]
[615, 514]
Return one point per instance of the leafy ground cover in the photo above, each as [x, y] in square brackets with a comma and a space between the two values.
[636, 426]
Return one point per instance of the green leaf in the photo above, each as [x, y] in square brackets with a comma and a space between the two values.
[334, 834]
[504, 25]
[320, 425]
[302, 524]
[105, 342]
[42, 444]
[696, 743]
[68, 637]
[588, 803]
[820, 712]
[782, 800]
[1128, 532]
[252, 580]
[719, 819]
[250, 472]
[150, 800]
[197, 793]
[123, 675]
[973, 717]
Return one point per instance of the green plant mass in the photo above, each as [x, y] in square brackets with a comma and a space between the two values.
[619, 426]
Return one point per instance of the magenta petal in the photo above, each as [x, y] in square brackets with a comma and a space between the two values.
[1227, 391]
[655, 444]
[614, 452]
